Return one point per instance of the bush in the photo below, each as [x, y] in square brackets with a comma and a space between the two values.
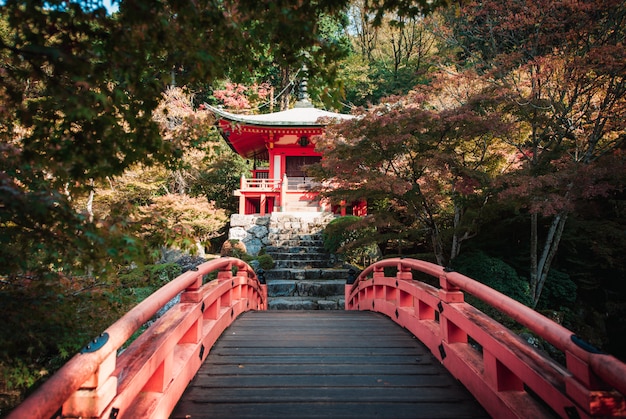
[150, 275]
[494, 273]
[559, 291]
[265, 261]
[338, 232]
[498, 275]
[234, 248]
[344, 235]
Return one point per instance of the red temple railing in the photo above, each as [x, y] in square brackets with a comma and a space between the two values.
[147, 378]
[260, 184]
[508, 376]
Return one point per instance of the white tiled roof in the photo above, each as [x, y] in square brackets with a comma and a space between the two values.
[298, 116]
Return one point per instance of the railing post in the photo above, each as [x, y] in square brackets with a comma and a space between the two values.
[405, 273]
[225, 273]
[589, 391]
[95, 394]
[192, 293]
[283, 193]
[449, 293]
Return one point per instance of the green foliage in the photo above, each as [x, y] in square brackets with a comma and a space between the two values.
[37, 341]
[352, 237]
[495, 273]
[79, 89]
[498, 275]
[154, 276]
[265, 261]
[219, 176]
[337, 233]
[558, 292]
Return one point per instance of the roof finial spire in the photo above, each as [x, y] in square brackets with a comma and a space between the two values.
[303, 95]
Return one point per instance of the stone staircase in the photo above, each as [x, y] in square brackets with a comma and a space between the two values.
[304, 276]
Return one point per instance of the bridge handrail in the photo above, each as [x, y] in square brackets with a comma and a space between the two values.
[583, 361]
[84, 367]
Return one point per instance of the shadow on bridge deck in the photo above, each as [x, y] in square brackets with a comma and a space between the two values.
[299, 364]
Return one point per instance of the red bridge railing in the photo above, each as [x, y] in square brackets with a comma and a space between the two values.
[509, 377]
[148, 377]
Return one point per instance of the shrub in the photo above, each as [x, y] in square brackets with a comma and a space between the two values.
[345, 235]
[338, 232]
[265, 261]
[234, 248]
[150, 275]
[558, 291]
[495, 273]
[498, 275]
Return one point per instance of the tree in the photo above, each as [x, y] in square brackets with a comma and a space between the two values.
[78, 90]
[423, 162]
[394, 50]
[560, 68]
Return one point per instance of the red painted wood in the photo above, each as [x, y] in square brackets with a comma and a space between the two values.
[149, 376]
[498, 375]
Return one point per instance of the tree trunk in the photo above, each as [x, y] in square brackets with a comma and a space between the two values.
[89, 207]
[540, 266]
[438, 247]
[456, 240]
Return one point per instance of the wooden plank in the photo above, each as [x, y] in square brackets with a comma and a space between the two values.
[348, 410]
[226, 381]
[322, 364]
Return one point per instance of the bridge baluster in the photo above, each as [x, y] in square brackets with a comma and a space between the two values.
[404, 272]
[498, 376]
[225, 273]
[504, 372]
[449, 293]
[192, 293]
[95, 394]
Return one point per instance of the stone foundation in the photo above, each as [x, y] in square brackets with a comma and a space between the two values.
[304, 277]
[260, 231]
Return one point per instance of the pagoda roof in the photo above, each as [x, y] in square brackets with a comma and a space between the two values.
[248, 135]
[300, 116]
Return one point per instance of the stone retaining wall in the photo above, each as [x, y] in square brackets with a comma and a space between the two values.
[259, 231]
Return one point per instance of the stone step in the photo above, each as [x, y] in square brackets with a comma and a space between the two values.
[295, 242]
[306, 303]
[302, 264]
[312, 255]
[294, 249]
[304, 274]
[306, 288]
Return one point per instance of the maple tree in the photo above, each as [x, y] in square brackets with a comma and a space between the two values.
[560, 69]
[424, 163]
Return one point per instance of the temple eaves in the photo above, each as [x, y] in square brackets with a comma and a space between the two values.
[296, 117]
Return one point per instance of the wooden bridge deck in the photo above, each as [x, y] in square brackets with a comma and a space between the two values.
[299, 364]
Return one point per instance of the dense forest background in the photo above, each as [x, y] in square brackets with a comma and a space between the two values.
[490, 140]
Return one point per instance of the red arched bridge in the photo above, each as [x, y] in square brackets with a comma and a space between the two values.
[200, 360]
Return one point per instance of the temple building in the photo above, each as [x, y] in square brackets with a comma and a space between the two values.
[282, 145]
